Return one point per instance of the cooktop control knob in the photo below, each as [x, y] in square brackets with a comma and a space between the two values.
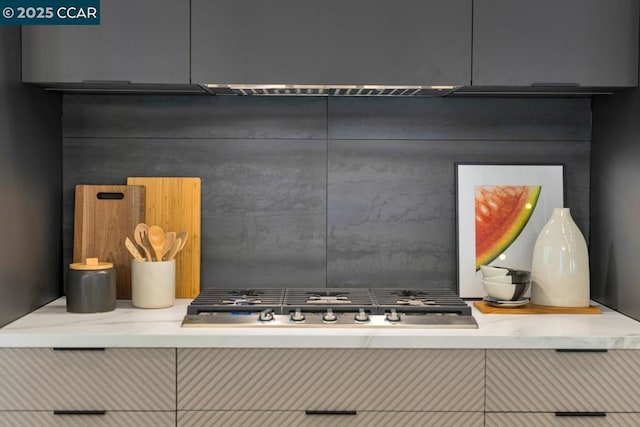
[297, 316]
[362, 316]
[329, 316]
[266, 315]
[393, 316]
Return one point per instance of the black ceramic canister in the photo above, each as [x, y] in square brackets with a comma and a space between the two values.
[91, 287]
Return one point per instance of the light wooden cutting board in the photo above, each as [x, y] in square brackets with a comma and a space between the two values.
[104, 216]
[175, 205]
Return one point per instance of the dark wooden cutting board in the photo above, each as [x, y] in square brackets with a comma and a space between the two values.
[104, 216]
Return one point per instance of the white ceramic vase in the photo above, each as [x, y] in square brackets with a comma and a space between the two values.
[560, 266]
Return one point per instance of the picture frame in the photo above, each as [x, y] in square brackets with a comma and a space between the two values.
[500, 210]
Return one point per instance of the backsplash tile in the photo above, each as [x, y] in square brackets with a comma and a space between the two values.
[536, 119]
[390, 213]
[263, 201]
[312, 192]
[193, 116]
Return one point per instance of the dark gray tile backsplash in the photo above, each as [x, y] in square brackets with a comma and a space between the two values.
[535, 119]
[199, 116]
[312, 192]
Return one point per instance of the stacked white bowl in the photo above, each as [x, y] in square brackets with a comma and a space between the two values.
[505, 284]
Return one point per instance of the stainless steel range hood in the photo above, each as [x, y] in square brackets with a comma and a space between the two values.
[327, 90]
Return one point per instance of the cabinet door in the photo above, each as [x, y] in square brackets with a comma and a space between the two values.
[585, 42]
[139, 41]
[331, 42]
[552, 420]
[109, 419]
[301, 419]
[331, 379]
[112, 379]
[549, 381]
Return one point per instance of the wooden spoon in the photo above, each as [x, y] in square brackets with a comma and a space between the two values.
[156, 239]
[139, 235]
[174, 249]
[169, 239]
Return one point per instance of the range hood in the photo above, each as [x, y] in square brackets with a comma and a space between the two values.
[423, 91]
[327, 90]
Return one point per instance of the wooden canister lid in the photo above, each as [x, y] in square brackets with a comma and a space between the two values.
[91, 264]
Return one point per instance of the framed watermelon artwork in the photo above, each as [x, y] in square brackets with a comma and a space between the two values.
[500, 209]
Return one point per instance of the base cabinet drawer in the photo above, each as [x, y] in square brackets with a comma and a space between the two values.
[550, 381]
[550, 419]
[331, 379]
[43, 379]
[108, 419]
[301, 419]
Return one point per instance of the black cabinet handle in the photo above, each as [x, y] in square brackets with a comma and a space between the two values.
[78, 349]
[329, 412]
[554, 84]
[581, 350]
[581, 414]
[107, 82]
[79, 412]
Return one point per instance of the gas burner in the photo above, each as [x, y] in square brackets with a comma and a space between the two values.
[241, 301]
[245, 293]
[243, 297]
[415, 302]
[328, 299]
[411, 293]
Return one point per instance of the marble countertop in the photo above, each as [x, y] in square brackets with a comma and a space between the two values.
[127, 326]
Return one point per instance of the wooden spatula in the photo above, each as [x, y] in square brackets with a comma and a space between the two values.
[132, 249]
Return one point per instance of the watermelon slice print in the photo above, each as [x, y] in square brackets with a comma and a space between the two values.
[501, 213]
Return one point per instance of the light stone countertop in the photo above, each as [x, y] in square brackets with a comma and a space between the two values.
[127, 326]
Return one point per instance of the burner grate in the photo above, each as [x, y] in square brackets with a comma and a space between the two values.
[243, 300]
[421, 300]
[339, 299]
[373, 301]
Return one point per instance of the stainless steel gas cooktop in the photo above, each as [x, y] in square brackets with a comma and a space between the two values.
[329, 307]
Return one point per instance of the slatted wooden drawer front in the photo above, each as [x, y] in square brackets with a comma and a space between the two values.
[300, 419]
[111, 379]
[331, 379]
[110, 419]
[549, 381]
[551, 420]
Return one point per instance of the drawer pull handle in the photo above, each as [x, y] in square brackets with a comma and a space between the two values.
[581, 414]
[107, 82]
[555, 84]
[79, 412]
[78, 349]
[581, 350]
[325, 412]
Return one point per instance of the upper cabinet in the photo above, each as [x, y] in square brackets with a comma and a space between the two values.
[331, 42]
[182, 43]
[141, 41]
[555, 42]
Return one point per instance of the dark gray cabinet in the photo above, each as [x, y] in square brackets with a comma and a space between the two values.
[140, 41]
[529, 42]
[331, 42]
